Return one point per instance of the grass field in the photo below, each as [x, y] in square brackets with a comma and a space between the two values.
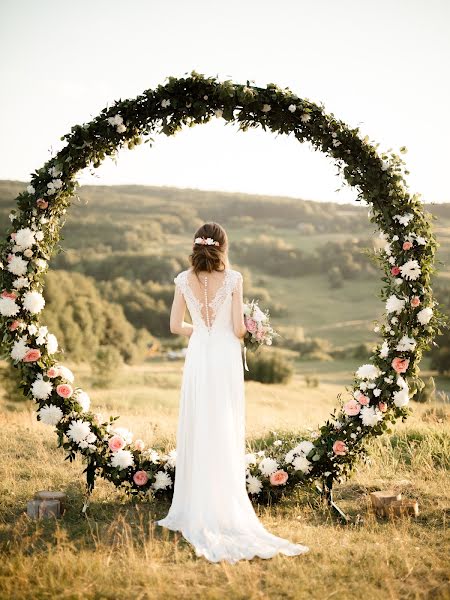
[118, 552]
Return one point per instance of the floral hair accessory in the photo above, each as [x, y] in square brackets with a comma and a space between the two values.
[206, 241]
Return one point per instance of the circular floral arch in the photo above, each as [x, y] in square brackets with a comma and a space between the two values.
[381, 388]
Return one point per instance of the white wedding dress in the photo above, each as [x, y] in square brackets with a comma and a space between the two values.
[210, 505]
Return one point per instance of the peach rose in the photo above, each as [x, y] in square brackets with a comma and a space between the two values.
[352, 408]
[6, 294]
[279, 477]
[415, 301]
[382, 406]
[395, 270]
[139, 445]
[339, 447]
[41, 203]
[14, 325]
[407, 245]
[116, 442]
[52, 372]
[32, 355]
[64, 390]
[140, 478]
[250, 324]
[400, 365]
[363, 399]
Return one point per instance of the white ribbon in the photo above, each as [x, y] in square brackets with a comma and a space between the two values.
[245, 359]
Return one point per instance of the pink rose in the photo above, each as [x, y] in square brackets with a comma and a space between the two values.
[10, 257]
[407, 245]
[279, 477]
[6, 294]
[140, 478]
[64, 390]
[363, 399]
[352, 408]
[32, 355]
[250, 324]
[52, 372]
[116, 442]
[41, 203]
[14, 325]
[400, 365]
[382, 406]
[415, 301]
[13, 236]
[395, 270]
[259, 335]
[139, 445]
[339, 447]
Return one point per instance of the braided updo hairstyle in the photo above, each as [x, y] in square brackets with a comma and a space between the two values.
[210, 257]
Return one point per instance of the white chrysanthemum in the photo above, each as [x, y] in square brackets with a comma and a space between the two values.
[66, 373]
[424, 315]
[395, 304]
[292, 108]
[384, 350]
[387, 248]
[30, 189]
[289, 456]
[122, 459]
[115, 120]
[33, 301]
[32, 329]
[83, 400]
[19, 349]
[165, 103]
[40, 263]
[304, 447]
[376, 392]
[401, 397]
[301, 463]
[268, 466]
[171, 458]
[370, 415]
[404, 219]
[254, 485]
[8, 307]
[91, 438]
[367, 371]
[162, 480]
[24, 238]
[152, 455]
[406, 344]
[421, 240]
[410, 270]
[124, 433]
[250, 459]
[50, 414]
[17, 265]
[41, 389]
[21, 282]
[52, 343]
[39, 235]
[278, 443]
[79, 430]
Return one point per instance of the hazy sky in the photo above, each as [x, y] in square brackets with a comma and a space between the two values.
[382, 66]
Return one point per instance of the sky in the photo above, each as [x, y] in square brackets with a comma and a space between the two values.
[380, 66]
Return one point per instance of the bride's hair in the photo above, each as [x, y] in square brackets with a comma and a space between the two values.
[207, 257]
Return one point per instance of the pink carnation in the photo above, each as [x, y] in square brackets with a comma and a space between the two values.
[116, 442]
[400, 365]
[352, 408]
[362, 399]
[64, 390]
[140, 478]
[339, 447]
[395, 270]
[279, 477]
[32, 355]
[52, 372]
[407, 245]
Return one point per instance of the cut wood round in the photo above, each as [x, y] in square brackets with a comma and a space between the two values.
[383, 498]
[49, 508]
[402, 507]
[33, 509]
[52, 495]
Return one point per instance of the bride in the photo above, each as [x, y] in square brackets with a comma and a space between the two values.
[210, 505]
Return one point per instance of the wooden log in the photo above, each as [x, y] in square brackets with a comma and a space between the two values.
[402, 507]
[53, 495]
[382, 499]
[33, 509]
[49, 508]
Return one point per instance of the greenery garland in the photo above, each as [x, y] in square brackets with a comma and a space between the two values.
[381, 389]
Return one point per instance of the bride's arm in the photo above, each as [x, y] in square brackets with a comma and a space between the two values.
[177, 323]
[238, 309]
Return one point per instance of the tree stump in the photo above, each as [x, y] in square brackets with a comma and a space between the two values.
[46, 504]
[53, 495]
[382, 499]
[399, 508]
[49, 508]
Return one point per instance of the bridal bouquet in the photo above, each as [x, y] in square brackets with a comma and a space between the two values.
[259, 329]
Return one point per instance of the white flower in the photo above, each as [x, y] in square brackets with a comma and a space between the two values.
[41, 389]
[388, 249]
[53, 186]
[17, 265]
[258, 315]
[367, 371]
[425, 315]
[395, 304]
[292, 108]
[421, 240]
[391, 260]
[32, 329]
[304, 447]
[39, 236]
[171, 458]
[33, 301]
[384, 165]
[406, 344]
[268, 466]
[277, 443]
[411, 269]
[121, 128]
[19, 349]
[384, 350]
[266, 108]
[250, 459]
[289, 456]
[376, 392]
[218, 112]
[24, 238]
[50, 414]
[30, 189]
[124, 433]
[370, 416]
[404, 219]
[261, 453]
[305, 117]
[122, 459]
[21, 282]
[40, 262]
[78, 430]
[301, 463]
[162, 480]
[52, 343]
[165, 103]
[8, 307]
[401, 397]
[66, 373]
[54, 171]
[152, 455]
[83, 400]
[254, 485]
[116, 120]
